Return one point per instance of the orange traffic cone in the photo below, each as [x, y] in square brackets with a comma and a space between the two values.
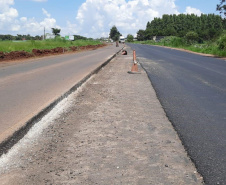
[134, 66]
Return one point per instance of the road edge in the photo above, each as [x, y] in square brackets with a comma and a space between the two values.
[173, 127]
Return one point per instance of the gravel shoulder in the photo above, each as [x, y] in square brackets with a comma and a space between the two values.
[113, 130]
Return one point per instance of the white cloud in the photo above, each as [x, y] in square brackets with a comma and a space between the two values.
[96, 17]
[70, 28]
[190, 10]
[36, 27]
[11, 24]
[8, 15]
[93, 19]
[23, 19]
[46, 13]
[15, 27]
[4, 5]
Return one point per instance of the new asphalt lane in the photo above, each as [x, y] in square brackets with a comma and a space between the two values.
[192, 91]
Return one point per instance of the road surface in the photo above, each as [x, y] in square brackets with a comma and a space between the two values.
[95, 136]
[192, 90]
[28, 87]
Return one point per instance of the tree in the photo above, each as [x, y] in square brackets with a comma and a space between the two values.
[79, 37]
[130, 38]
[141, 35]
[207, 26]
[114, 33]
[28, 37]
[222, 7]
[56, 31]
[19, 37]
[37, 37]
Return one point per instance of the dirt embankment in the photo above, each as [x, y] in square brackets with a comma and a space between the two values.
[16, 55]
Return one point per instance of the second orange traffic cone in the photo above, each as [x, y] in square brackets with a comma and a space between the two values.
[134, 66]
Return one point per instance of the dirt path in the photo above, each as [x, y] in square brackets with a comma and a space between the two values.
[113, 131]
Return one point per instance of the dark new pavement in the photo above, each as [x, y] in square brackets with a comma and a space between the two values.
[192, 90]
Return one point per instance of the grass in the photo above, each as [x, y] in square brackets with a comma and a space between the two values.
[8, 46]
[208, 47]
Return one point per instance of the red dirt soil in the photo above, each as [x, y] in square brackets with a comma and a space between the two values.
[16, 55]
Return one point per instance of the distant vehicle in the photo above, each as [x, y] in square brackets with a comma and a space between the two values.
[122, 39]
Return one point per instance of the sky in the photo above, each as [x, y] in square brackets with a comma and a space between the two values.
[91, 18]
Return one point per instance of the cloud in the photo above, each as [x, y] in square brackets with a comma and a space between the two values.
[72, 29]
[36, 27]
[10, 23]
[46, 13]
[4, 4]
[8, 15]
[190, 10]
[96, 17]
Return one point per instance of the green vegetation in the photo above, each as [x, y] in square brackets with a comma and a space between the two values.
[207, 27]
[217, 47]
[56, 31]
[37, 37]
[114, 34]
[203, 34]
[130, 38]
[79, 37]
[221, 7]
[20, 37]
[8, 46]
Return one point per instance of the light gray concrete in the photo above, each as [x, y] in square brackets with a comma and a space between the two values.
[28, 87]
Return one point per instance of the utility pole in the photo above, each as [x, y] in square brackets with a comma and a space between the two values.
[44, 34]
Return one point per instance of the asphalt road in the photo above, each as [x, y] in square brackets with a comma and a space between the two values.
[95, 136]
[192, 91]
[28, 87]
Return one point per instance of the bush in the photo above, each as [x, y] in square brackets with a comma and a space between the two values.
[177, 41]
[222, 42]
[172, 41]
[191, 37]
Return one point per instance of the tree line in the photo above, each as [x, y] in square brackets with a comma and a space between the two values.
[20, 37]
[206, 26]
[55, 32]
[37, 37]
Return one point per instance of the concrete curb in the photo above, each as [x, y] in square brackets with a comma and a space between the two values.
[11, 140]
